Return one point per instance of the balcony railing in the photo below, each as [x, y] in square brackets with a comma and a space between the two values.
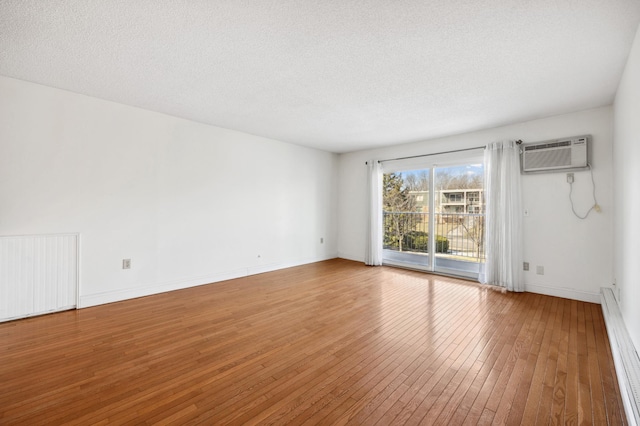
[458, 235]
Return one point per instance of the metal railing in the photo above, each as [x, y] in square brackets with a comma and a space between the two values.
[459, 235]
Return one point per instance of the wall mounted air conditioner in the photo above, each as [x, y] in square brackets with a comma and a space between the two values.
[557, 155]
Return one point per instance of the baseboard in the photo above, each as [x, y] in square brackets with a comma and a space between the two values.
[86, 301]
[261, 269]
[96, 299]
[349, 256]
[566, 293]
[625, 356]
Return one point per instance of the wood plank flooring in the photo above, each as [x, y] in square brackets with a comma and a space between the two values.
[331, 343]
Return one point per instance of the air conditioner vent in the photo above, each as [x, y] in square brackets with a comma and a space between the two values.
[556, 155]
[546, 145]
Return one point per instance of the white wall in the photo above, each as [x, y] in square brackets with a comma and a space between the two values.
[626, 163]
[576, 254]
[187, 202]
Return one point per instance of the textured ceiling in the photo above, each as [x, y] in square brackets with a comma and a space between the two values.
[331, 74]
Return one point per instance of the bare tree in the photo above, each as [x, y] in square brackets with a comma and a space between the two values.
[474, 229]
[446, 180]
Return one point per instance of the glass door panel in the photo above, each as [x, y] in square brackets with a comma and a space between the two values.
[459, 220]
[406, 220]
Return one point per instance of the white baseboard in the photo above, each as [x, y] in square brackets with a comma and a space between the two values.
[625, 356]
[261, 269]
[566, 293]
[86, 301]
[349, 256]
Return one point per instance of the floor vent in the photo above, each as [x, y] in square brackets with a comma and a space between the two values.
[625, 356]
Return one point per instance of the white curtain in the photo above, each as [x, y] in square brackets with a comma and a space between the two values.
[373, 253]
[503, 265]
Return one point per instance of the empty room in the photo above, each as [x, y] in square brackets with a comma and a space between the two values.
[320, 213]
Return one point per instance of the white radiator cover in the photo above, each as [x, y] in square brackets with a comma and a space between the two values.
[38, 274]
[625, 356]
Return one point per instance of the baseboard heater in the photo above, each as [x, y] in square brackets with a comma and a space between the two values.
[625, 356]
[38, 274]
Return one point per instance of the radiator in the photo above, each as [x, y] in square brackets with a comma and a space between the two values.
[625, 356]
[38, 274]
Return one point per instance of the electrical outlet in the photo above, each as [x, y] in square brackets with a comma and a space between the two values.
[126, 263]
[540, 270]
[525, 266]
[570, 178]
[321, 240]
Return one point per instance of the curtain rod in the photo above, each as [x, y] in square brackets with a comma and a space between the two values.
[519, 141]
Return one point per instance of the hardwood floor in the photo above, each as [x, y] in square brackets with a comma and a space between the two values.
[328, 343]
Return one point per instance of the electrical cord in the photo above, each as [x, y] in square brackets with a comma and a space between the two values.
[595, 205]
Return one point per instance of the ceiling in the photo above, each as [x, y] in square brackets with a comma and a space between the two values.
[332, 74]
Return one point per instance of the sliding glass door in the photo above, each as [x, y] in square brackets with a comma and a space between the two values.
[433, 218]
